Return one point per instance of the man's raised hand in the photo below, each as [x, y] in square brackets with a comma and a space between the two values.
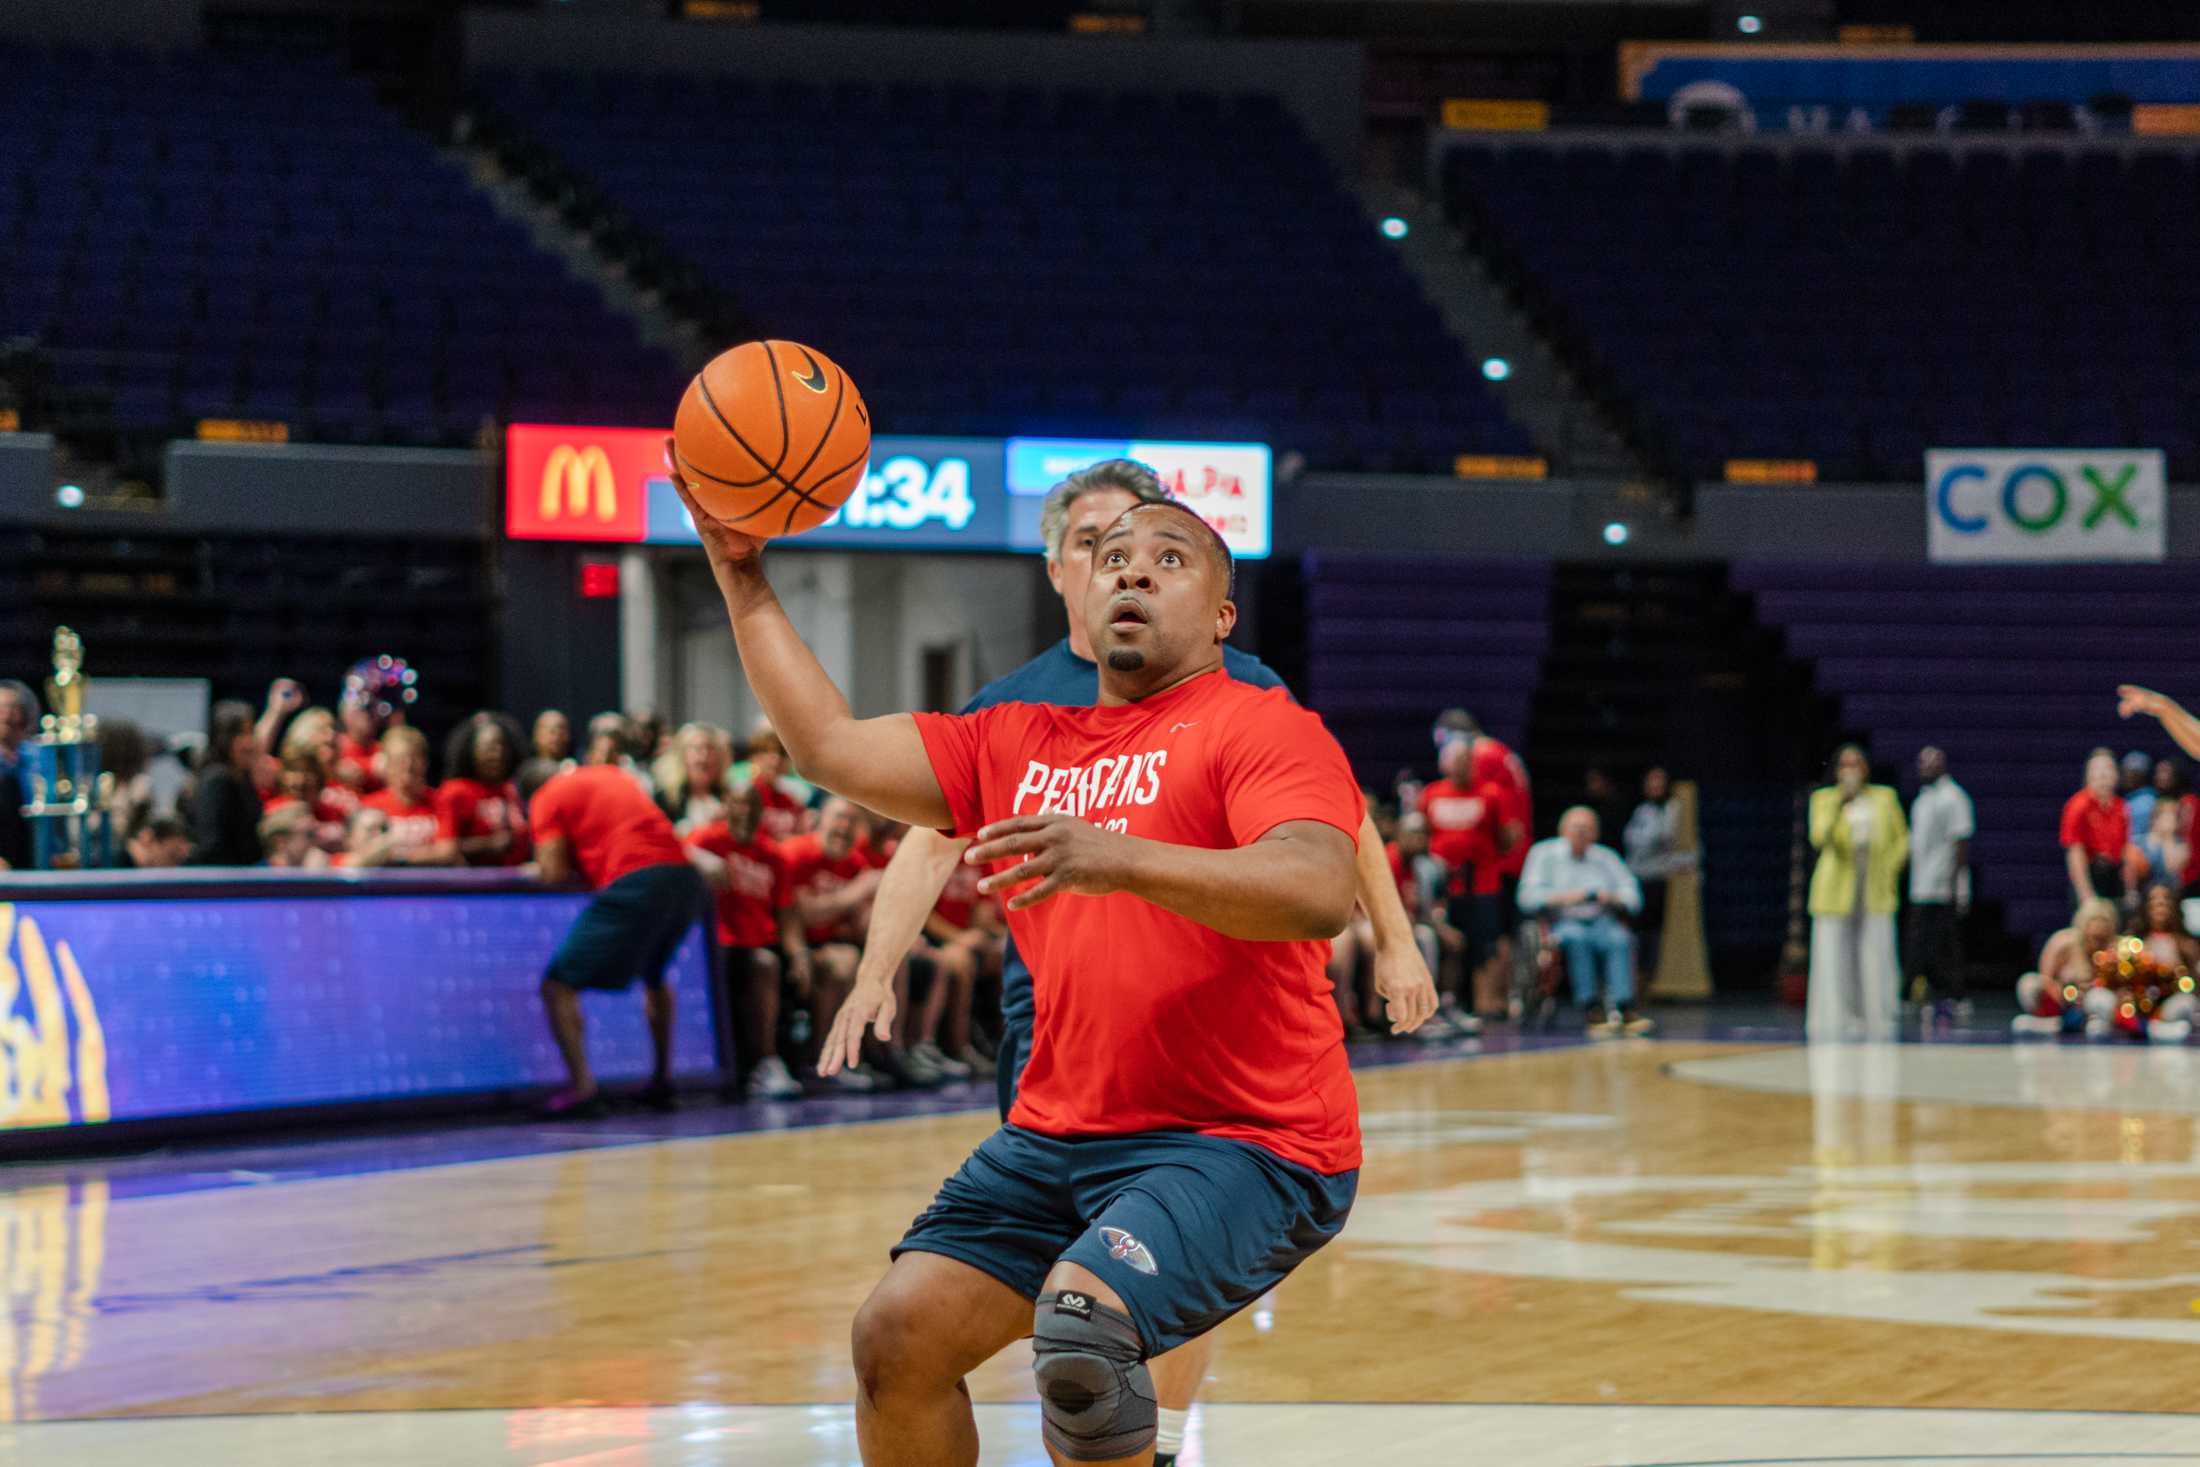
[723, 544]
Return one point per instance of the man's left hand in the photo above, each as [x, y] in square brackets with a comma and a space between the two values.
[1062, 853]
[1402, 979]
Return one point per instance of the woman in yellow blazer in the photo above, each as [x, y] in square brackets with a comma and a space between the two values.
[1862, 843]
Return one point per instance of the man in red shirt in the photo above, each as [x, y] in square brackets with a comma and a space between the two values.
[1466, 819]
[597, 824]
[749, 875]
[1177, 858]
[2095, 829]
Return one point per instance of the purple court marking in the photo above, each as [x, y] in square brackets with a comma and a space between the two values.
[306, 1157]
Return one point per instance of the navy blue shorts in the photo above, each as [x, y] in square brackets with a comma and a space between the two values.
[1187, 1229]
[631, 929]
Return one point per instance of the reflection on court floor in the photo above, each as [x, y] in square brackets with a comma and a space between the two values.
[1647, 1252]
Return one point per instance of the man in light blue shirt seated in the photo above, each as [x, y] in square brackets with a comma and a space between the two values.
[1588, 893]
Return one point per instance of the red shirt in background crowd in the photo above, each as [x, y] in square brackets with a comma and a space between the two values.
[467, 809]
[2103, 829]
[1409, 890]
[958, 903]
[756, 885]
[1212, 763]
[782, 819]
[331, 812]
[612, 827]
[811, 873]
[412, 822]
[1462, 833]
[356, 761]
[1496, 764]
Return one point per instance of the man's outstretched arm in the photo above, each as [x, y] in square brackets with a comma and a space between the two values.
[1401, 973]
[880, 763]
[2179, 724]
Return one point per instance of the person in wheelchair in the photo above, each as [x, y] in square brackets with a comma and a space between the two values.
[1587, 894]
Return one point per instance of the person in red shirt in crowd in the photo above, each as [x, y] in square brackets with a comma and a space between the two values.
[597, 826]
[478, 814]
[786, 809]
[2095, 829]
[312, 736]
[748, 873]
[405, 832]
[300, 783]
[1496, 765]
[831, 882]
[376, 690]
[1176, 859]
[962, 944]
[1466, 818]
[698, 783]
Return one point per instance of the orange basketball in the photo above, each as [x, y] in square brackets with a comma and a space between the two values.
[773, 437]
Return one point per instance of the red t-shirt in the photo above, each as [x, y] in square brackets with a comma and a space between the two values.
[358, 758]
[412, 822]
[811, 873]
[756, 886]
[782, 819]
[467, 809]
[614, 829]
[958, 903]
[2104, 830]
[1462, 833]
[1409, 890]
[1495, 763]
[1145, 1020]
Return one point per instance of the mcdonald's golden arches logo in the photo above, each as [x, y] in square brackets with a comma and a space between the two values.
[578, 483]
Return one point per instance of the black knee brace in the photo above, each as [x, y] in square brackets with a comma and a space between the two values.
[1095, 1397]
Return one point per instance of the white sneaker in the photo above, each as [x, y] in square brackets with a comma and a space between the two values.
[771, 1080]
[1460, 1020]
[2169, 1031]
[2035, 1024]
[981, 1068]
[940, 1061]
[858, 1081]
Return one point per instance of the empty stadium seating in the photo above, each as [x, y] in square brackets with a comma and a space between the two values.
[2011, 670]
[1856, 304]
[942, 243]
[210, 235]
[1391, 640]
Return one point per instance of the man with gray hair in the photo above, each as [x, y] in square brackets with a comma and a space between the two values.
[1588, 892]
[1075, 513]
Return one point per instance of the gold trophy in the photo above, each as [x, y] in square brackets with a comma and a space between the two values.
[66, 795]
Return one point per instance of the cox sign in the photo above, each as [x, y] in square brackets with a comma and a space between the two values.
[2058, 504]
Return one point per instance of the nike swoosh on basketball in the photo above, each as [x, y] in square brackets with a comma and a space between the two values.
[815, 381]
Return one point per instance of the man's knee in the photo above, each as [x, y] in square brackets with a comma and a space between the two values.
[1096, 1397]
[891, 1357]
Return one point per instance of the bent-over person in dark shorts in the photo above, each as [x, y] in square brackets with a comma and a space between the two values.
[597, 823]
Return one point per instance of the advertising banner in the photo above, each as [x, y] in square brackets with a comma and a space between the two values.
[611, 484]
[2044, 504]
[132, 1009]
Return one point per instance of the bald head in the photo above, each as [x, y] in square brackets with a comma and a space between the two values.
[1578, 828]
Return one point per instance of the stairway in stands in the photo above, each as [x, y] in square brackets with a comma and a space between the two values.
[1666, 664]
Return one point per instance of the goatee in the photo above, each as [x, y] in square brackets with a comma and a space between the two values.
[1126, 659]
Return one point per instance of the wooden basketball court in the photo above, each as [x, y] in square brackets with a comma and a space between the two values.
[1649, 1252]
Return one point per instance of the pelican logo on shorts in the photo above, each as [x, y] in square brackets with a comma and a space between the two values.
[578, 482]
[1126, 1249]
[815, 379]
